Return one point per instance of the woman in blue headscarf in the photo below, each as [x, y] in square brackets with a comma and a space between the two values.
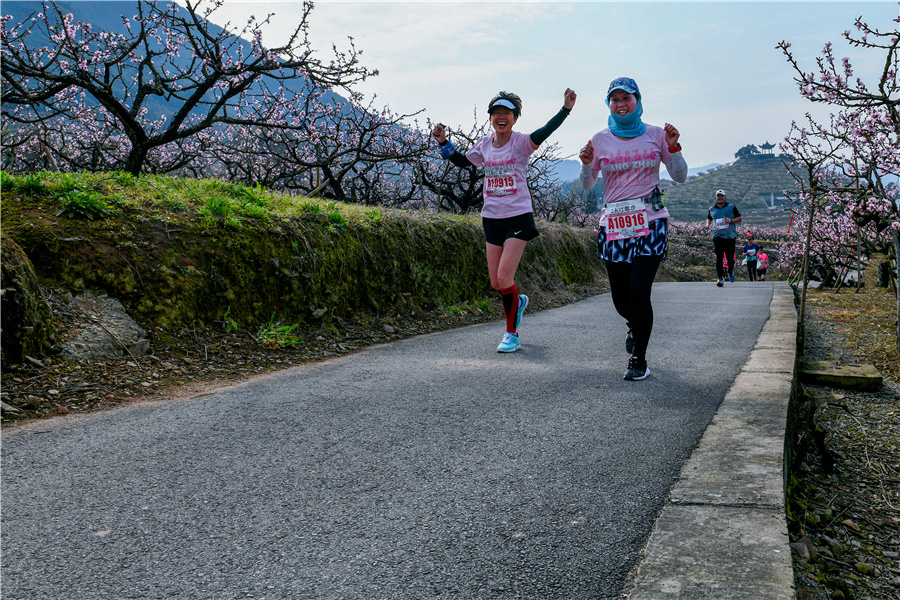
[632, 234]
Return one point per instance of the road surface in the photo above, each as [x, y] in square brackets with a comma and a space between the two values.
[432, 468]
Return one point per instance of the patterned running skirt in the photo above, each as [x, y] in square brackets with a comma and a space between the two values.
[656, 243]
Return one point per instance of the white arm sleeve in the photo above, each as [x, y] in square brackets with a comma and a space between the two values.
[677, 168]
[588, 177]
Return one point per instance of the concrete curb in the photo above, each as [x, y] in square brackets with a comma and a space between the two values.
[723, 533]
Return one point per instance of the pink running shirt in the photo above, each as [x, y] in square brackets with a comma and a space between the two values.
[505, 188]
[631, 167]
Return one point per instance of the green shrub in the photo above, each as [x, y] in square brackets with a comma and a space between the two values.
[255, 211]
[216, 206]
[69, 183]
[310, 207]
[124, 179]
[276, 334]
[86, 205]
[255, 196]
[30, 185]
[337, 220]
[229, 323]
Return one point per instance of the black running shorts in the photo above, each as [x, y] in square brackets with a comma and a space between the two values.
[521, 227]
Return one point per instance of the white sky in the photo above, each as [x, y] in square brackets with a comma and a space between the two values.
[710, 68]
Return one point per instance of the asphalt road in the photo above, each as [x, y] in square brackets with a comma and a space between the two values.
[429, 468]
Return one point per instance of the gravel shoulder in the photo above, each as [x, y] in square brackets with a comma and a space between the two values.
[844, 508]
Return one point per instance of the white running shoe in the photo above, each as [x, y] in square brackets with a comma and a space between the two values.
[510, 343]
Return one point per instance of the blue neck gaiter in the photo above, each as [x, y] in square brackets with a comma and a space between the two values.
[629, 126]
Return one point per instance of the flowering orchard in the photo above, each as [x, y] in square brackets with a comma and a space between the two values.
[840, 240]
[843, 204]
[843, 200]
[171, 92]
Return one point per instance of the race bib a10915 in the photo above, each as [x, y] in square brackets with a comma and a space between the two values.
[500, 180]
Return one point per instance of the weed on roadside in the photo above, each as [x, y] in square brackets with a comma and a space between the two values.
[277, 334]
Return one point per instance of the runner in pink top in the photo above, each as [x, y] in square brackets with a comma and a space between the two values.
[633, 229]
[763, 264]
[507, 215]
[505, 192]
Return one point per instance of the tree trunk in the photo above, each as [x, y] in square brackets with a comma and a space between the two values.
[136, 159]
[804, 273]
[897, 280]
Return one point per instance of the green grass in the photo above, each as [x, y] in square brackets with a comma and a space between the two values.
[30, 185]
[94, 196]
[465, 308]
[98, 195]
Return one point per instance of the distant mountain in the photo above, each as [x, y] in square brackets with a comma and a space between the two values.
[755, 185]
[663, 174]
[568, 170]
[103, 16]
[107, 15]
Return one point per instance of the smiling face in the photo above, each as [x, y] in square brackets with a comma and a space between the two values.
[502, 119]
[622, 103]
[720, 199]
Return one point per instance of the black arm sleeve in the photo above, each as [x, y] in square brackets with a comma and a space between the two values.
[460, 160]
[540, 135]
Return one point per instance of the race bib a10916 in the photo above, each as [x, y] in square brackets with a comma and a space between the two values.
[626, 219]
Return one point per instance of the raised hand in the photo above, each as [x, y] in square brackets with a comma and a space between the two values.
[439, 133]
[672, 135]
[569, 99]
[587, 153]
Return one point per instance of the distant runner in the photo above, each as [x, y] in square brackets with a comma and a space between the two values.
[762, 264]
[507, 216]
[632, 236]
[725, 216]
[751, 254]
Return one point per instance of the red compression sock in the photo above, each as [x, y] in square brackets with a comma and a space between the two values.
[510, 306]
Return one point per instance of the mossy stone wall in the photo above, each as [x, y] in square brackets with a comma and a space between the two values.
[27, 326]
[301, 269]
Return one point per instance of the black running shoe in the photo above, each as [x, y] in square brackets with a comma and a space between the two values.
[637, 369]
[629, 342]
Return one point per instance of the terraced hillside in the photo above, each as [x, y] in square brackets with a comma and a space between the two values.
[755, 185]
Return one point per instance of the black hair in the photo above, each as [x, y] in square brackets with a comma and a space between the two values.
[511, 98]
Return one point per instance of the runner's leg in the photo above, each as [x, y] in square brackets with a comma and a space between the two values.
[643, 273]
[502, 264]
[619, 274]
[729, 254]
[719, 249]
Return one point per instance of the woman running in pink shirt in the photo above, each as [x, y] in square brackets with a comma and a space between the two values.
[632, 234]
[507, 215]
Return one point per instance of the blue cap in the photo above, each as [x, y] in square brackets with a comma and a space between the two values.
[624, 83]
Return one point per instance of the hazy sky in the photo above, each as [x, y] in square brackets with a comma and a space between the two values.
[710, 68]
